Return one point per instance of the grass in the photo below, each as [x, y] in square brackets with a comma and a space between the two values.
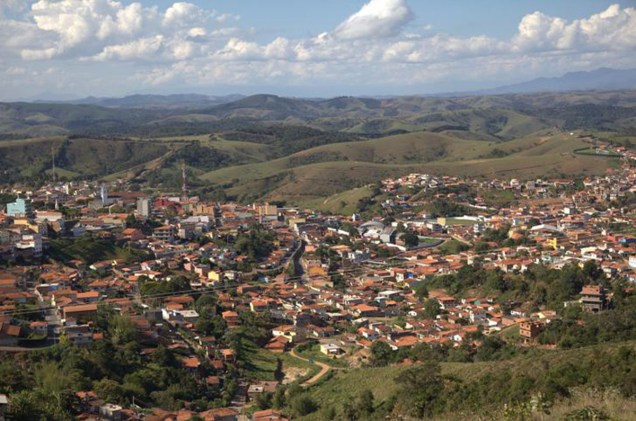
[261, 364]
[381, 381]
[344, 203]
[459, 221]
[331, 170]
[91, 250]
[313, 353]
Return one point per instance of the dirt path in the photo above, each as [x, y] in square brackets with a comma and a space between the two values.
[324, 369]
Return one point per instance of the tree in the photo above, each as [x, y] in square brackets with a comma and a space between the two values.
[205, 300]
[592, 271]
[432, 308]
[410, 239]
[264, 400]
[365, 402]
[421, 291]
[278, 401]
[381, 354]
[25, 406]
[329, 413]
[421, 386]
[349, 411]
[109, 390]
[122, 330]
[303, 405]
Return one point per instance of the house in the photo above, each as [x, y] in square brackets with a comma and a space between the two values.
[287, 331]
[9, 334]
[593, 298]
[39, 326]
[268, 415]
[331, 349]
[78, 334]
[80, 312]
[278, 344]
[260, 388]
[220, 414]
[529, 330]
[110, 411]
[164, 233]
[231, 318]
[259, 306]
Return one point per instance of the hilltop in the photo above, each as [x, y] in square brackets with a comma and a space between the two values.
[308, 150]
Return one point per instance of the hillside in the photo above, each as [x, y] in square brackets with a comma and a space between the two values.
[482, 388]
[326, 170]
[306, 151]
[500, 116]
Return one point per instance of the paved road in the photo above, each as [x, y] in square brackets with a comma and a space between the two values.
[21, 349]
[324, 369]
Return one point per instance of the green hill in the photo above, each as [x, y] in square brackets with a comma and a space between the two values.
[304, 151]
[327, 170]
[481, 389]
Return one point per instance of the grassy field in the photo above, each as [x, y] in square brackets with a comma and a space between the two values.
[381, 381]
[332, 177]
[313, 353]
[91, 250]
[331, 170]
[261, 364]
[342, 203]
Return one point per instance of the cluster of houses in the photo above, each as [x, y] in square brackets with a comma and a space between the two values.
[350, 294]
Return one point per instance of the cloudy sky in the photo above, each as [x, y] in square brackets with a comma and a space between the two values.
[75, 48]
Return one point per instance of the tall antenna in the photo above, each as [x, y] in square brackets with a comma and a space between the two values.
[184, 185]
[53, 161]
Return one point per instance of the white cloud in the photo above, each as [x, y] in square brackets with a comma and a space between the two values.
[187, 45]
[613, 28]
[376, 19]
[108, 29]
[138, 49]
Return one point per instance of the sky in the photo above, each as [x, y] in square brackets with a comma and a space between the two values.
[62, 49]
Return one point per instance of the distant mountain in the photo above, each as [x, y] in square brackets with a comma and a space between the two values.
[603, 79]
[158, 101]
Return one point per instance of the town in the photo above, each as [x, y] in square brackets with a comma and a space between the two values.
[248, 303]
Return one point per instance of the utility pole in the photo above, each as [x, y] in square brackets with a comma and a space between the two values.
[53, 163]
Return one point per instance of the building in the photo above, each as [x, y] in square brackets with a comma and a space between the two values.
[164, 233]
[78, 334]
[9, 334]
[268, 415]
[110, 411]
[80, 312]
[4, 403]
[330, 349]
[593, 298]
[529, 330]
[144, 208]
[21, 207]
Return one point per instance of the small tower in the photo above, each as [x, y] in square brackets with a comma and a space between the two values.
[104, 194]
[184, 185]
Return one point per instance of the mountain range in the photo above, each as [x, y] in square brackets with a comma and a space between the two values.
[603, 79]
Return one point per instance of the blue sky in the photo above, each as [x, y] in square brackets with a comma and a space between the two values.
[499, 18]
[74, 48]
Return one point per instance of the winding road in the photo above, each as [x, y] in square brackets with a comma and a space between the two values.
[324, 369]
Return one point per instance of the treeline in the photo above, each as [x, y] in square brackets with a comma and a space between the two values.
[115, 368]
[539, 286]
[426, 392]
[288, 139]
